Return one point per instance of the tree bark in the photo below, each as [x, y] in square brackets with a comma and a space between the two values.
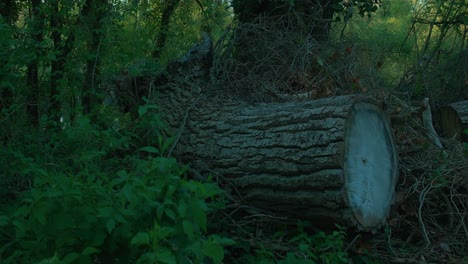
[33, 67]
[453, 120]
[58, 64]
[167, 13]
[330, 159]
[95, 12]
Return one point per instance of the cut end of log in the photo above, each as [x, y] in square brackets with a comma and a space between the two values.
[370, 165]
[453, 120]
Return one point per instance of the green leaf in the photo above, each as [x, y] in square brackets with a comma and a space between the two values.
[98, 238]
[122, 174]
[149, 257]
[182, 209]
[303, 247]
[128, 192]
[159, 211]
[39, 212]
[110, 225]
[170, 213]
[164, 232]
[213, 250]
[105, 211]
[225, 241]
[142, 238]
[150, 149]
[167, 143]
[320, 61]
[4, 220]
[199, 216]
[188, 229]
[164, 255]
[53, 259]
[89, 251]
[62, 221]
[70, 258]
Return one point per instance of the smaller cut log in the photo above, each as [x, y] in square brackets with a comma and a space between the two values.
[453, 120]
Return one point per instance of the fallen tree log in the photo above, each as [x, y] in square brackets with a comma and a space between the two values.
[453, 120]
[331, 160]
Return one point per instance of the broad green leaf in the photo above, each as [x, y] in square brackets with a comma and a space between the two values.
[150, 149]
[4, 220]
[70, 258]
[167, 143]
[170, 213]
[164, 255]
[110, 225]
[159, 211]
[39, 212]
[142, 238]
[164, 232]
[224, 241]
[89, 251]
[122, 174]
[320, 61]
[149, 257]
[53, 259]
[128, 193]
[105, 211]
[188, 229]
[98, 237]
[213, 250]
[62, 221]
[303, 247]
[182, 209]
[199, 215]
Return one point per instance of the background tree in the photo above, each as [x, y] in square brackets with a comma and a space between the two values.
[166, 14]
[95, 13]
[8, 15]
[37, 22]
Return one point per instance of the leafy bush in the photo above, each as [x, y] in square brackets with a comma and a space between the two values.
[97, 196]
[148, 214]
[320, 247]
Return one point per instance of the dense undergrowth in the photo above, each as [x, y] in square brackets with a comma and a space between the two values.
[91, 194]
[103, 189]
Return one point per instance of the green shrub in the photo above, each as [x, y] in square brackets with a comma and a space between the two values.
[99, 196]
[149, 214]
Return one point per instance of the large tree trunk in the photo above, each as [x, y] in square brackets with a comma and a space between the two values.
[330, 159]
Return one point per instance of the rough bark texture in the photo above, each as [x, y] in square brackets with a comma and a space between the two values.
[289, 157]
[331, 160]
[453, 120]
